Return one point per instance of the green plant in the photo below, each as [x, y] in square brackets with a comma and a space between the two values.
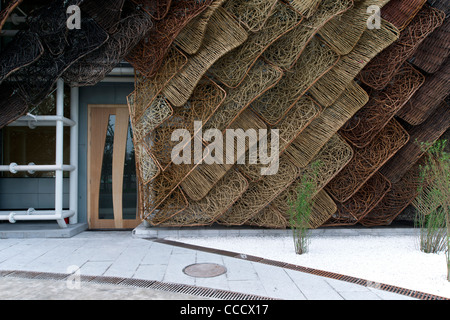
[433, 201]
[300, 209]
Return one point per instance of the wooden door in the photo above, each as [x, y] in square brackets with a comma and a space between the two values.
[112, 192]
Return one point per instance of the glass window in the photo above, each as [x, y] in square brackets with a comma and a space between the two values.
[23, 145]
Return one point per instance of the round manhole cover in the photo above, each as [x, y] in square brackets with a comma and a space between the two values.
[205, 270]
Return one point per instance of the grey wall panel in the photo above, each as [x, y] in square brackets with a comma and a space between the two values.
[23, 193]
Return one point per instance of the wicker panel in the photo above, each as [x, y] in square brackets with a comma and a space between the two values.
[343, 32]
[323, 208]
[6, 12]
[12, 106]
[190, 39]
[106, 13]
[171, 206]
[232, 68]
[148, 56]
[307, 8]
[427, 132]
[297, 119]
[218, 41]
[361, 203]
[157, 9]
[36, 80]
[313, 64]
[367, 161]
[309, 143]
[205, 176]
[400, 13]
[382, 106]
[269, 217]
[443, 5]
[401, 195]
[287, 49]
[434, 50]
[260, 194]
[145, 164]
[332, 85]
[205, 100]
[262, 77]
[428, 97]
[92, 68]
[50, 23]
[23, 50]
[253, 14]
[333, 157]
[164, 190]
[155, 114]
[147, 89]
[379, 72]
[219, 200]
[63, 48]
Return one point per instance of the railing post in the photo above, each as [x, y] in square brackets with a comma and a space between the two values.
[74, 102]
[59, 174]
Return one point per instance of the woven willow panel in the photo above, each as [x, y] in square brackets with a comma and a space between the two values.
[309, 143]
[232, 68]
[367, 161]
[217, 42]
[313, 64]
[330, 87]
[289, 47]
[382, 107]
[343, 32]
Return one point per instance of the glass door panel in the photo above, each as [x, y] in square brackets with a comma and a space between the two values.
[112, 191]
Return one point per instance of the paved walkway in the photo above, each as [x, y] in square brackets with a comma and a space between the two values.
[119, 254]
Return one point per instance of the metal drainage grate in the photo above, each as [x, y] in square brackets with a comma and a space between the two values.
[218, 294]
[205, 270]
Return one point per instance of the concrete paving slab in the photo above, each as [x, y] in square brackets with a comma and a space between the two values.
[94, 268]
[248, 286]
[279, 284]
[314, 287]
[150, 272]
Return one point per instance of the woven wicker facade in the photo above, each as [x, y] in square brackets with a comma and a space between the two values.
[309, 74]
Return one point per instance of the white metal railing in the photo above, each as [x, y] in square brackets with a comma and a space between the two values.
[32, 168]
[59, 168]
[41, 121]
